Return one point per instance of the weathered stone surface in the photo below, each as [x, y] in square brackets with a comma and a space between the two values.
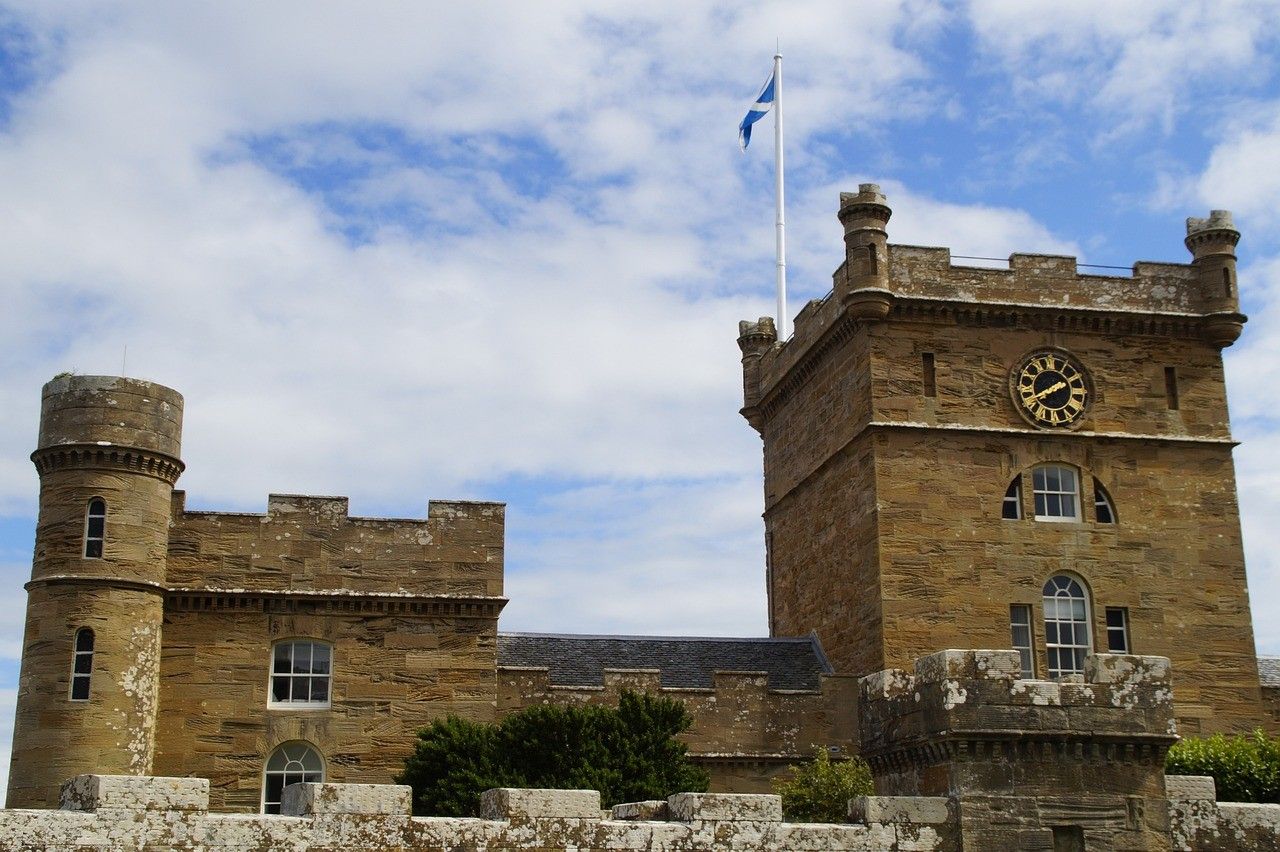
[131, 792]
[918, 810]
[729, 807]
[312, 799]
[512, 804]
[1190, 788]
[655, 809]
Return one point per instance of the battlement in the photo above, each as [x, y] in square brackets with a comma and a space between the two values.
[312, 543]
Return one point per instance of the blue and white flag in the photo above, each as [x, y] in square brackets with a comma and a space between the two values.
[764, 102]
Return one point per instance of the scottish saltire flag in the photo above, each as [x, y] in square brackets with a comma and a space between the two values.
[764, 102]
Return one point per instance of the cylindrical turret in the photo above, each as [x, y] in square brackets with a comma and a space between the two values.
[1212, 243]
[865, 286]
[108, 459]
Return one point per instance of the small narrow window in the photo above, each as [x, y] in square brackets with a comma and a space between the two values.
[1020, 627]
[1171, 388]
[82, 665]
[873, 263]
[1226, 282]
[1066, 626]
[95, 528]
[930, 376]
[1118, 630]
[300, 673]
[291, 763]
[1011, 510]
[1056, 492]
[1103, 511]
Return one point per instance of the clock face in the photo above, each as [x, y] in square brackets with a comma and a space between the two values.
[1051, 388]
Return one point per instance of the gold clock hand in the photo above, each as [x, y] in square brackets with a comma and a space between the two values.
[1053, 387]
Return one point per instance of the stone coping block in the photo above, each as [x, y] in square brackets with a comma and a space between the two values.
[917, 810]
[650, 810]
[725, 807]
[315, 799]
[1190, 788]
[134, 792]
[510, 803]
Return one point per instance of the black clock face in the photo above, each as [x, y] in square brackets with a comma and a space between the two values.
[1051, 388]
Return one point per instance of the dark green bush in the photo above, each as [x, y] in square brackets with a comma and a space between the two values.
[820, 790]
[1244, 768]
[629, 753]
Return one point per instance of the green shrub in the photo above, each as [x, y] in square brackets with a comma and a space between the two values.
[820, 790]
[1244, 768]
[629, 753]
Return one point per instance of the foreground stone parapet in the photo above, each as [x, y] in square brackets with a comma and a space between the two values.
[725, 807]
[314, 799]
[134, 793]
[520, 805]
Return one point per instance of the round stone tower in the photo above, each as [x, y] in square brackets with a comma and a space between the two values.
[108, 459]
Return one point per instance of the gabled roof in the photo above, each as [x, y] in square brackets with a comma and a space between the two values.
[1269, 671]
[579, 660]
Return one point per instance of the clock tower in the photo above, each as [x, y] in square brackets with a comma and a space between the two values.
[1035, 457]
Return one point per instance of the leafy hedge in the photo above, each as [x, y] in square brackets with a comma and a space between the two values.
[629, 753]
[820, 790]
[1244, 768]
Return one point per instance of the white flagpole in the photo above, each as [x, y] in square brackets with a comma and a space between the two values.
[783, 333]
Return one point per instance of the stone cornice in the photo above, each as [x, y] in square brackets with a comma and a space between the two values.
[1053, 746]
[99, 582]
[331, 602]
[108, 457]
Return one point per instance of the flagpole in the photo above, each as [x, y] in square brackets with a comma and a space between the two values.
[783, 333]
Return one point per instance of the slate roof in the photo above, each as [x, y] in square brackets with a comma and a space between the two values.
[579, 660]
[1269, 671]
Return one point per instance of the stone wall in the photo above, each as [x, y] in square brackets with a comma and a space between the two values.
[743, 733]
[883, 498]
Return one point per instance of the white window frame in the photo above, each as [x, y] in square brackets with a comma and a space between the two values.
[1122, 628]
[1101, 499]
[101, 540]
[1061, 612]
[77, 654]
[1012, 497]
[294, 753]
[1040, 489]
[1021, 616]
[296, 674]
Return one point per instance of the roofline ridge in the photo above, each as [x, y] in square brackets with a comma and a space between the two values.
[806, 640]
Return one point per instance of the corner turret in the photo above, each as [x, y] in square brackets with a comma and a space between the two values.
[754, 339]
[864, 287]
[1212, 243]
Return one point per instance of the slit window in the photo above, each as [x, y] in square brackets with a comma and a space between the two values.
[1020, 628]
[82, 664]
[872, 263]
[929, 373]
[300, 673]
[95, 528]
[1226, 282]
[1103, 511]
[1118, 630]
[1011, 506]
[1171, 388]
[1057, 493]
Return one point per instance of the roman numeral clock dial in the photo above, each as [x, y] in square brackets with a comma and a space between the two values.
[1050, 388]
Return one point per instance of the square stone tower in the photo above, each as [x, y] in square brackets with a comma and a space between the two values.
[969, 457]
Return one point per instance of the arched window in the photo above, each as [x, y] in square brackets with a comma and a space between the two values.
[1066, 625]
[82, 664]
[1057, 493]
[1103, 510]
[1011, 507]
[95, 528]
[292, 763]
[300, 673]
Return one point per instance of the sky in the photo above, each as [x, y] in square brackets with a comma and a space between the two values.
[498, 250]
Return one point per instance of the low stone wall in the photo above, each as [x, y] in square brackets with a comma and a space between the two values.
[122, 813]
[1199, 821]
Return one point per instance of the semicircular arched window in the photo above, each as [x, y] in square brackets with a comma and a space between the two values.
[292, 763]
[1066, 625]
[1104, 511]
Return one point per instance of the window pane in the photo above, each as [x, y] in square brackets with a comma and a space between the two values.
[300, 689]
[80, 688]
[1040, 504]
[1021, 636]
[97, 525]
[1037, 479]
[280, 688]
[1115, 617]
[84, 663]
[281, 664]
[1067, 480]
[1077, 609]
[93, 549]
[84, 640]
[1052, 479]
[1054, 503]
[320, 659]
[1081, 635]
[1051, 633]
[320, 689]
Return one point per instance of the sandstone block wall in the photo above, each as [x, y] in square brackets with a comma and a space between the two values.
[743, 733]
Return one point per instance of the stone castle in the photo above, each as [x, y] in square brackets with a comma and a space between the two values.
[1030, 458]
